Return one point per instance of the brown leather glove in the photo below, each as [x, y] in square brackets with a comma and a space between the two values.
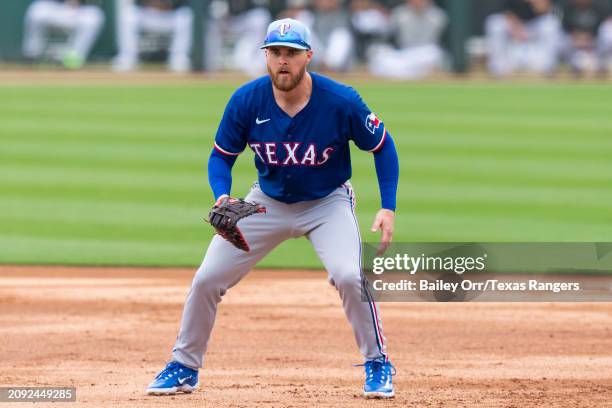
[225, 215]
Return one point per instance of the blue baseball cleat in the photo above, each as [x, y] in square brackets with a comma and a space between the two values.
[175, 377]
[379, 379]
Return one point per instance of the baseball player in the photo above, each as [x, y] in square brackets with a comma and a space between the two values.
[82, 20]
[241, 26]
[298, 125]
[526, 35]
[169, 17]
[416, 26]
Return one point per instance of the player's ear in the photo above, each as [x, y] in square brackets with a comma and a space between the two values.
[308, 55]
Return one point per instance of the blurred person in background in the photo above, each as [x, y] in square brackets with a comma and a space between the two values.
[299, 10]
[604, 42]
[370, 24]
[331, 36]
[163, 17]
[525, 35]
[583, 22]
[79, 19]
[416, 27]
[235, 27]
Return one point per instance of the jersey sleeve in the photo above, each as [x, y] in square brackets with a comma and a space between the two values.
[231, 137]
[367, 130]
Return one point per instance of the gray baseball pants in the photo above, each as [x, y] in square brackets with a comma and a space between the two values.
[330, 225]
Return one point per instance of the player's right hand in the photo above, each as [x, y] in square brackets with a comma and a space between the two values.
[384, 221]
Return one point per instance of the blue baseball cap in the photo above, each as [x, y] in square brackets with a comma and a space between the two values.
[287, 33]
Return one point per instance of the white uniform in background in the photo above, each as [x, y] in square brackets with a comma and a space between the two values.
[604, 44]
[418, 33]
[176, 22]
[336, 51]
[334, 47]
[539, 52]
[244, 31]
[81, 22]
[332, 39]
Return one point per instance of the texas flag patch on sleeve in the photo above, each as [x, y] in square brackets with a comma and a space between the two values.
[372, 122]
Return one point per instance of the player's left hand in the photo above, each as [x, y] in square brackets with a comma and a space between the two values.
[384, 222]
[225, 215]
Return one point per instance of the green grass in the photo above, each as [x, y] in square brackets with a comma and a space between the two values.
[117, 174]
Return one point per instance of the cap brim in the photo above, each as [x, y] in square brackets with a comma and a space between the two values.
[284, 44]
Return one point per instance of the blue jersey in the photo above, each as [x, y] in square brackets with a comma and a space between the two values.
[307, 156]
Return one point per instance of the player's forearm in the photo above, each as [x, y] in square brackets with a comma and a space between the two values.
[220, 173]
[387, 172]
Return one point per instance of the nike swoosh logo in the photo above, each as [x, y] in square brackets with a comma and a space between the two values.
[182, 380]
[259, 122]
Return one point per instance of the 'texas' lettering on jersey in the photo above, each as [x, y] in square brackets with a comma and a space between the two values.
[291, 153]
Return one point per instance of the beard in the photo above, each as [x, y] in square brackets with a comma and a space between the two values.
[286, 82]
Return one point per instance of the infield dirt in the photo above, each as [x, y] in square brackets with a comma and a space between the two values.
[281, 340]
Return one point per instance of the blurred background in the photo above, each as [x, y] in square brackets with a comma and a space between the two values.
[500, 111]
[391, 38]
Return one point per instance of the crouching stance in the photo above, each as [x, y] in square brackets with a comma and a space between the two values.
[298, 125]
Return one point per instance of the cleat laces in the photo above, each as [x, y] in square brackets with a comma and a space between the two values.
[376, 371]
[171, 369]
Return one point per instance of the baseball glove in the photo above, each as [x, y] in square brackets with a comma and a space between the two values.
[225, 215]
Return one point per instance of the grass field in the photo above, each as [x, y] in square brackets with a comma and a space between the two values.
[117, 174]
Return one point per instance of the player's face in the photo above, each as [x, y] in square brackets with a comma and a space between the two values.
[287, 66]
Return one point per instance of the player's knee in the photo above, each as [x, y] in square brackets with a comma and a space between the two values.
[208, 286]
[344, 278]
